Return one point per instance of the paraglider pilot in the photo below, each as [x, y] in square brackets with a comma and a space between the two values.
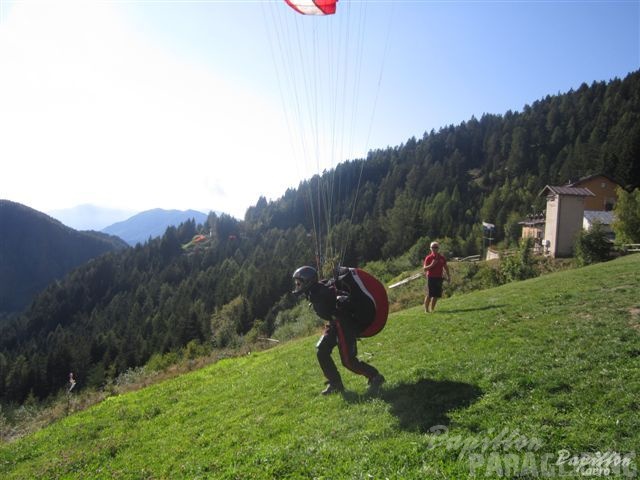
[347, 314]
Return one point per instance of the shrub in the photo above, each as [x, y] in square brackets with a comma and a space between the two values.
[482, 275]
[592, 245]
[296, 322]
[159, 362]
[195, 349]
[519, 266]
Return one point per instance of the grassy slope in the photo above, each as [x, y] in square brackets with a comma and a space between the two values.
[554, 360]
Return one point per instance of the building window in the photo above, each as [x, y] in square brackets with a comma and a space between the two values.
[609, 203]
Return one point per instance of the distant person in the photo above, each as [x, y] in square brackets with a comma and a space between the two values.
[72, 382]
[347, 314]
[435, 265]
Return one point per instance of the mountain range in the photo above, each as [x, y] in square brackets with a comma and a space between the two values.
[36, 249]
[151, 223]
[90, 217]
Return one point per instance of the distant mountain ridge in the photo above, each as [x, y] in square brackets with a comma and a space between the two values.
[151, 224]
[36, 249]
[90, 217]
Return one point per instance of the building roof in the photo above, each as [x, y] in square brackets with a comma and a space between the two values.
[533, 220]
[590, 177]
[605, 218]
[574, 191]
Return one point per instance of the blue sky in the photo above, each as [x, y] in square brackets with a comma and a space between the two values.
[211, 104]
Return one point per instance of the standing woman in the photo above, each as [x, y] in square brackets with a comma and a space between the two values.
[434, 266]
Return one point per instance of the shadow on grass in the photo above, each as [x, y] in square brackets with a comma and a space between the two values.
[424, 404]
[463, 310]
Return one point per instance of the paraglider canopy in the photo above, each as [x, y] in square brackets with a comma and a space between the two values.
[329, 108]
[313, 7]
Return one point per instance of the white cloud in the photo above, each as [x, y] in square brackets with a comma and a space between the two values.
[92, 112]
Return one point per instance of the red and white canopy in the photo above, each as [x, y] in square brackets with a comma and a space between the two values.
[313, 7]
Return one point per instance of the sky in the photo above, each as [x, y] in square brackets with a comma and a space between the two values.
[209, 105]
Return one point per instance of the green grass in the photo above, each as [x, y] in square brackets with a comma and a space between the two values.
[496, 382]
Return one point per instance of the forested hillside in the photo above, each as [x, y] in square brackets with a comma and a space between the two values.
[490, 169]
[35, 249]
[119, 310]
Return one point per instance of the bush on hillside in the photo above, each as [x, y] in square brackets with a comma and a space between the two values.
[519, 266]
[297, 322]
[592, 246]
[479, 276]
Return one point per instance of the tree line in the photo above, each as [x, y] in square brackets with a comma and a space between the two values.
[119, 310]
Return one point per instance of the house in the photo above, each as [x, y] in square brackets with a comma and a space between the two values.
[564, 218]
[571, 208]
[603, 218]
[533, 227]
[604, 192]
